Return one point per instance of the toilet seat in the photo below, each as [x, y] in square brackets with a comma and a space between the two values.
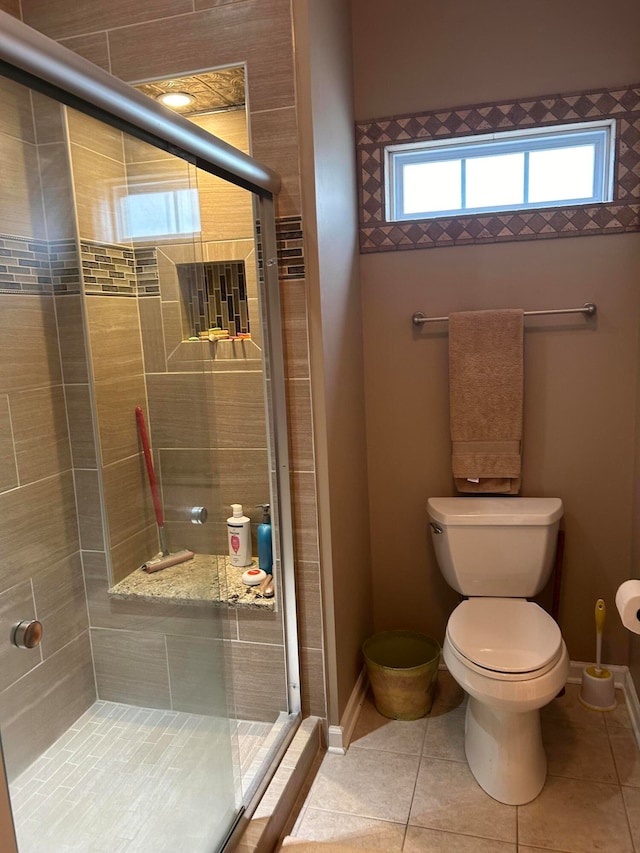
[506, 638]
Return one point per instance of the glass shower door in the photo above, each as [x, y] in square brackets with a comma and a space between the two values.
[115, 728]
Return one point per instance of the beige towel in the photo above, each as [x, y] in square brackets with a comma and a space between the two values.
[485, 398]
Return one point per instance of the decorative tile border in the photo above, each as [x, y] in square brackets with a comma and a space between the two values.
[621, 215]
[108, 269]
[37, 267]
[146, 268]
[290, 247]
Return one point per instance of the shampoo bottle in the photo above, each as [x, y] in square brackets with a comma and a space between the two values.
[265, 549]
[239, 536]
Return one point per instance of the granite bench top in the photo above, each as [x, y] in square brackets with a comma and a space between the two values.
[206, 579]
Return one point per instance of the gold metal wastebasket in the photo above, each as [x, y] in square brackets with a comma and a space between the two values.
[403, 670]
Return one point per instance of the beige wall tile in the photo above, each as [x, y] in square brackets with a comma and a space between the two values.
[215, 410]
[17, 116]
[304, 516]
[230, 126]
[37, 526]
[258, 675]
[227, 35]
[95, 135]
[116, 402]
[209, 538]
[131, 553]
[294, 329]
[92, 15]
[92, 46]
[309, 604]
[255, 626]
[72, 343]
[61, 603]
[152, 334]
[40, 433]
[81, 436]
[312, 678]
[28, 342]
[127, 498]
[57, 192]
[197, 675]
[16, 604]
[300, 425]
[48, 117]
[137, 151]
[21, 210]
[100, 183]
[35, 711]
[169, 284]
[214, 479]
[114, 333]
[275, 143]
[131, 667]
[89, 509]
[226, 211]
[8, 469]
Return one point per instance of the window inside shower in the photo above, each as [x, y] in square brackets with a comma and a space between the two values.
[150, 711]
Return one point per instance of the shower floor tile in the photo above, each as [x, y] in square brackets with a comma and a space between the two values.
[124, 779]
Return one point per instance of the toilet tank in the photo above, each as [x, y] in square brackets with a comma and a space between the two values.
[498, 547]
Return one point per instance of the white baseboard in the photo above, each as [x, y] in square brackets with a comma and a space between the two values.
[339, 737]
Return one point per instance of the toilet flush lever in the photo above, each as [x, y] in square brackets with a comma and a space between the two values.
[435, 527]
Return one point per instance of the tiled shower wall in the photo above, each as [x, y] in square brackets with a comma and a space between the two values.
[206, 421]
[203, 35]
[42, 691]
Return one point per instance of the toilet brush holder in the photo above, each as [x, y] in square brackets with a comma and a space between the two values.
[598, 691]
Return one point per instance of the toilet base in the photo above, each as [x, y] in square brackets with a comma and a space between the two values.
[505, 752]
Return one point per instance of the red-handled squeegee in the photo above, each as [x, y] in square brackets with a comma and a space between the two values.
[164, 558]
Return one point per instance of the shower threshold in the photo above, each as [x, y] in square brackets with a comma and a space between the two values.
[126, 779]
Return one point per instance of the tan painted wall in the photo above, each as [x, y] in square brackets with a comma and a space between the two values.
[580, 407]
[329, 211]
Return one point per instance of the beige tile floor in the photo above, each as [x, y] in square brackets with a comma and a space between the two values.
[125, 779]
[406, 786]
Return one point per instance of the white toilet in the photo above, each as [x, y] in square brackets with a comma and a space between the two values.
[506, 652]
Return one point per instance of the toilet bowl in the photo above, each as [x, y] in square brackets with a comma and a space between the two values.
[506, 652]
[509, 656]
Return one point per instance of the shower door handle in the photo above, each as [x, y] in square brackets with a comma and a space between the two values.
[27, 634]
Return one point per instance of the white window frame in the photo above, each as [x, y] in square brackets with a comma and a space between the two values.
[601, 134]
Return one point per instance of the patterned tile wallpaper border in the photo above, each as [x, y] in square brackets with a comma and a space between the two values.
[621, 215]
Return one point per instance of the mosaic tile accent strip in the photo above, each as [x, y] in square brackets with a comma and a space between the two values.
[65, 267]
[24, 265]
[215, 294]
[108, 269]
[146, 267]
[621, 215]
[290, 247]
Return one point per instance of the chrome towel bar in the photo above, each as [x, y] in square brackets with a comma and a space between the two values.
[589, 308]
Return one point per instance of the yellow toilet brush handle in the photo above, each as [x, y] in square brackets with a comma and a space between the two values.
[601, 615]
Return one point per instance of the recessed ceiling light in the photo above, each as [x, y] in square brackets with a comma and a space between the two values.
[176, 99]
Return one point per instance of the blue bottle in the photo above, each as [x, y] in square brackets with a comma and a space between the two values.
[265, 548]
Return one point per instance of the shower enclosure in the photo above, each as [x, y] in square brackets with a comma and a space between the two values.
[149, 713]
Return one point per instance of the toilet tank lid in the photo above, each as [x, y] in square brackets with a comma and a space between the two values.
[494, 511]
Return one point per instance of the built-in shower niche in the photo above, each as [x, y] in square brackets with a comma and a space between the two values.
[214, 295]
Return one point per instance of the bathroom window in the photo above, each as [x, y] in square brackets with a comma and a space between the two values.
[563, 165]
